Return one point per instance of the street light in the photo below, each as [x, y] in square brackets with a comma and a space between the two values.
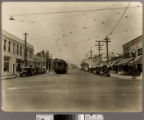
[133, 54]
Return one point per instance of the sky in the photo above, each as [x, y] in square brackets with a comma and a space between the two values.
[69, 29]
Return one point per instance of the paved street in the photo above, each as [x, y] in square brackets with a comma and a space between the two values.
[76, 91]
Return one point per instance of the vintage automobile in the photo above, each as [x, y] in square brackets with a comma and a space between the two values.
[26, 71]
[43, 70]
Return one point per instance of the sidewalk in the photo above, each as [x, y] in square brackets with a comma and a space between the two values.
[8, 77]
[125, 76]
[50, 72]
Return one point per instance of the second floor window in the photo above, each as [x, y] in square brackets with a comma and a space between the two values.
[17, 49]
[20, 50]
[140, 51]
[5, 42]
[9, 47]
[13, 48]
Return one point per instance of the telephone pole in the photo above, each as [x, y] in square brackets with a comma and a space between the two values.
[106, 40]
[91, 57]
[25, 50]
[50, 63]
[99, 49]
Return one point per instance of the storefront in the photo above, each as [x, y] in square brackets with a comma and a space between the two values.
[6, 67]
[123, 67]
[114, 66]
[136, 65]
[13, 54]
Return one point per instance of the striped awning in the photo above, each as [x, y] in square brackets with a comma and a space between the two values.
[115, 62]
[138, 60]
[124, 62]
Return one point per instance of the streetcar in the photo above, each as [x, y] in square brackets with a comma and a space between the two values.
[60, 66]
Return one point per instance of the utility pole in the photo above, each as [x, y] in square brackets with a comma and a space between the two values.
[99, 49]
[50, 64]
[25, 50]
[91, 57]
[47, 59]
[106, 40]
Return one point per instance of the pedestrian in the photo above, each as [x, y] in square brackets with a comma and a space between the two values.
[47, 71]
[107, 71]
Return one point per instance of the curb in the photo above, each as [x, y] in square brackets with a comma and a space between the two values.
[10, 77]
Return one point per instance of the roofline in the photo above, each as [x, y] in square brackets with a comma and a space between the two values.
[16, 38]
[133, 40]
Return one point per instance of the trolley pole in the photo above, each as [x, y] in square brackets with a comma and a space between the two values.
[91, 57]
[51, 66]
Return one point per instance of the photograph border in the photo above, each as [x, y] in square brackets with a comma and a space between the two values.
[107, 115]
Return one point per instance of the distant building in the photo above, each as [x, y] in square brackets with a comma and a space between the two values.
[48, 59]
[97, 60]
[112, 56]
[13, 54]
[39, 61]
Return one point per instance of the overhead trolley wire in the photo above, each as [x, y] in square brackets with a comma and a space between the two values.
[119, 20]
[58, 12]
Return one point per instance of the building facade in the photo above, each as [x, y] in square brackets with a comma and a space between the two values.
[132, 61]
[13, 49]
[135, 45]
[39, 61]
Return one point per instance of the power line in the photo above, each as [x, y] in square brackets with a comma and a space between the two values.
[45, 13]
[93, 25]
[119, 20]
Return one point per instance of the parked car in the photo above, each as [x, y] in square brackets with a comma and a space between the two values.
[33, 70]
[43, 70]
[26, 71]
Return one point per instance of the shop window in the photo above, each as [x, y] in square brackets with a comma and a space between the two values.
[140, 51]
[18, 65]
[9, 47]
[5, 42]
[6, 64]
[18, 68]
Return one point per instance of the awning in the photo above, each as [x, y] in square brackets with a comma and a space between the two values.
[138, 60]
[124, 62]
[115, 62]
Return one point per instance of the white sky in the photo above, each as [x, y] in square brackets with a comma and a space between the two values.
[71, 35]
